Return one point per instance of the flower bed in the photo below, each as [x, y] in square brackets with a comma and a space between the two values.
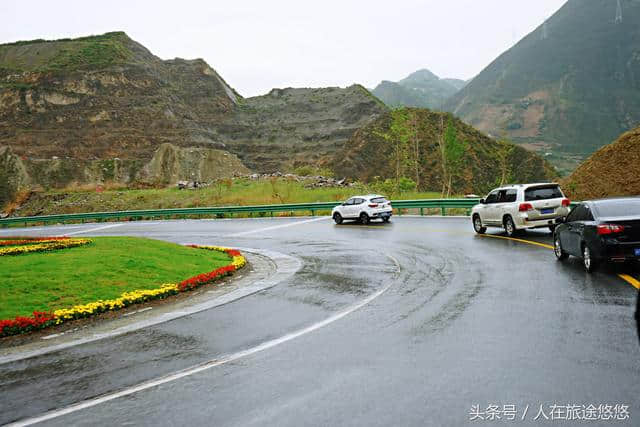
[41, 320]
[39, 245]
[16, 241]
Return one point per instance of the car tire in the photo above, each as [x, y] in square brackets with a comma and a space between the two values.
[561, 255]
[337, 218]
[510, 227]
[364, 218]
[590, 264]
[477, 225]
[552, 228]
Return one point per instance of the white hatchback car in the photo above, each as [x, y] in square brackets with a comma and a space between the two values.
[520, 207]
[363, 208]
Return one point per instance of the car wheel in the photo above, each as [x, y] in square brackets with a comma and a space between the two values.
[477, 225]
[589, 262]
[510, 227]
[364, 218]
[552, 228]
[337, 218]
[557, 249]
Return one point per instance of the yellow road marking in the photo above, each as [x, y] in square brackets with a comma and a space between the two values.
[631, 280]
[379, 227]
[531, 242]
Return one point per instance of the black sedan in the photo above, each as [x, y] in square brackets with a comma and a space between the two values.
[600, 230]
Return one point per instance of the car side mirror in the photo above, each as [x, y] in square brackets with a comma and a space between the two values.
[483, 201]
[561, 220]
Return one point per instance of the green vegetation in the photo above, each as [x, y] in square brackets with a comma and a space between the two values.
[225, 192]
[7, 191]
[66, 54]
[437, 152]
[453, 157]
[309, 170]
[102, 270]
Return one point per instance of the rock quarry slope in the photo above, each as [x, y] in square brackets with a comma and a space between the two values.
[104, 108]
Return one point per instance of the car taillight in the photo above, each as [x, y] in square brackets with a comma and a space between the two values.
[566, 202]
[604, 229]
[525, 207]
[373, 205]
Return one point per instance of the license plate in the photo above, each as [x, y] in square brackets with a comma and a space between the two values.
[547, 211]
[637, 251]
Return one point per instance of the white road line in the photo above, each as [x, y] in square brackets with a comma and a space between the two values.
[93, 229]
[204, 366]
[14, 230]
[274, 227]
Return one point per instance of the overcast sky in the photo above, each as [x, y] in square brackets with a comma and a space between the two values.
[258, 45]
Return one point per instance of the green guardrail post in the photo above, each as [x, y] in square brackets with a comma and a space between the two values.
[421, 211]
[313, 212]
[443, 211]
[271, 212]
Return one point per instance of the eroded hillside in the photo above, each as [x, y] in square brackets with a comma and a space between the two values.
[438, 152]
[99, 108]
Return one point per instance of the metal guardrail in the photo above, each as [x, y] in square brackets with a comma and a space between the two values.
[223, 211]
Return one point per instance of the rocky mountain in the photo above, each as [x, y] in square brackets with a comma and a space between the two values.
[438, 152]
[570, 86]
[105, 108]
[292, 127]
[419, 89]
[610, 171]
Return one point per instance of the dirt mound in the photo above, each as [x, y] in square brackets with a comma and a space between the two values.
[612, 171]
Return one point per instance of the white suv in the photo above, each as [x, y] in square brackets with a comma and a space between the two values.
[520, 207]
[363, 208]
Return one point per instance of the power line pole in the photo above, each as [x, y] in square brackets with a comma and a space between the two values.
[618, 13]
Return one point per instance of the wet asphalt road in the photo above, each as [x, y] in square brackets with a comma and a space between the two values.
[463, 320]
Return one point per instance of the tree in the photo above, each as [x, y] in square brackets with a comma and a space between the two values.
[453, 156]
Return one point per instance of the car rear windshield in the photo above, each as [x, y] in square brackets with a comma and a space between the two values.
[379, 200]
[542, 193]
[613, 208]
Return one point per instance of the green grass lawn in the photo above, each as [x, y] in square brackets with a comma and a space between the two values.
[102, 270]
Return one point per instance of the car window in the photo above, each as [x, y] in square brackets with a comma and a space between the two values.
[358, 201]
[492, 197]
[379, 200]
[507, 196]
[588, 215]
[349, 202]
[574, 214]
[620, 207]
[542, 193]
[580, 213]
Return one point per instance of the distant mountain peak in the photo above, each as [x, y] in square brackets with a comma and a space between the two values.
[421, 88]
[421, 75]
